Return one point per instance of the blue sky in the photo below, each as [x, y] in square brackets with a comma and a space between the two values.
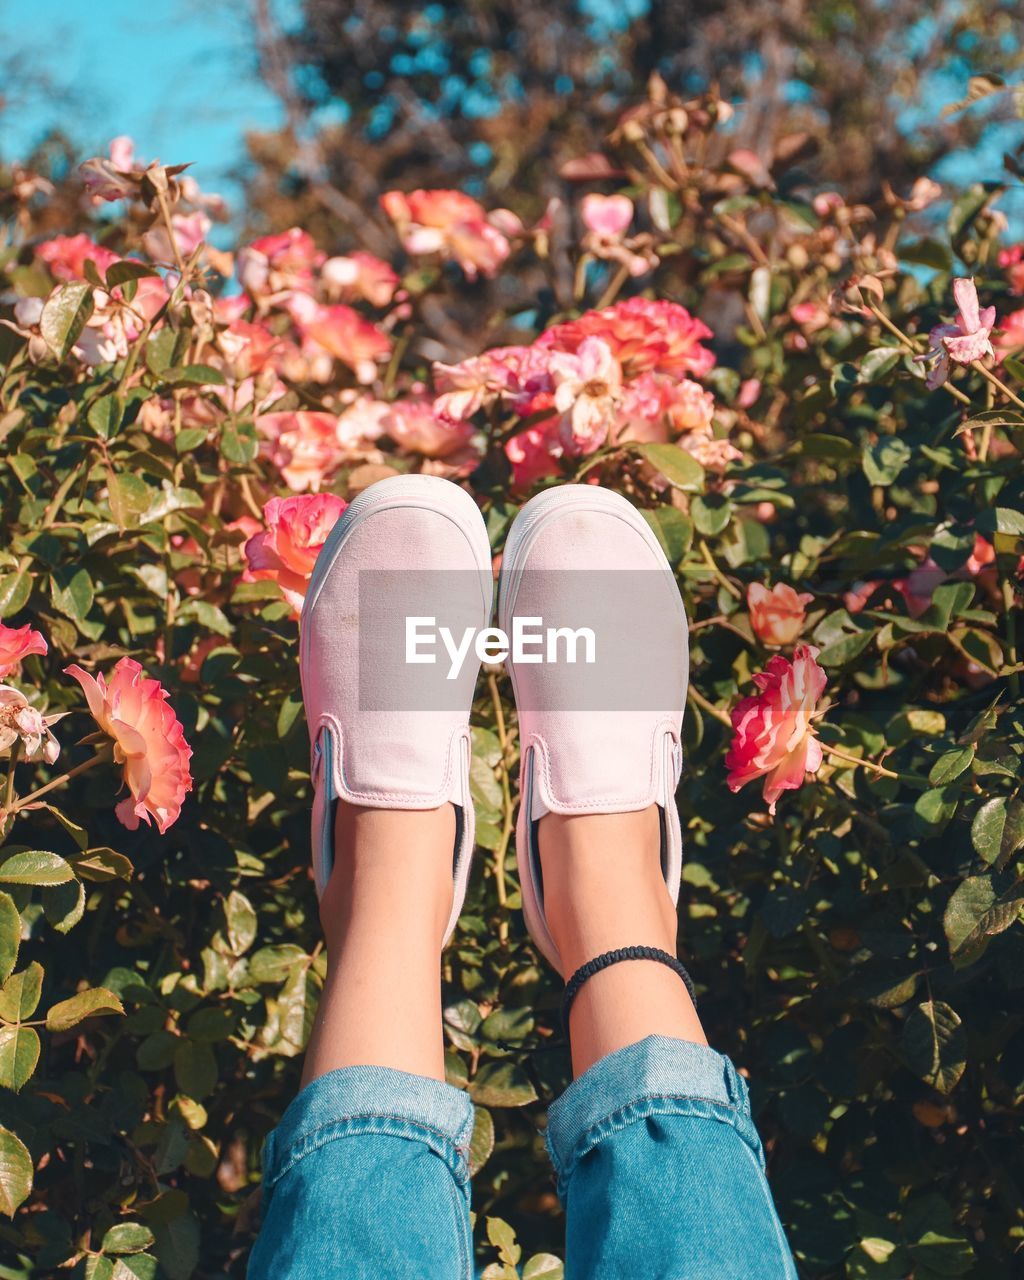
[177, 75]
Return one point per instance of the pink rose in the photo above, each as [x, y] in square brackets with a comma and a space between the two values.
[588, 391]
[286, 551]
[417, 428]
[448, 223]
[66, 256]
[1012, 262]
[777, 616]
[304, 445]
[963, 342]
[643, 335]
[16, 643]
[360, 275]
[533, 454]
[274, 264]
[1009, 337]
[341, 333]
[773, 734]
[149, 742]
[607, 216]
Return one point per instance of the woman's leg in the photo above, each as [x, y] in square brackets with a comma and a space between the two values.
[659, 1164]
[366, 1176]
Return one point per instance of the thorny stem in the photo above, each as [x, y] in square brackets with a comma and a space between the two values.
[12, 765]
[506, 807]
[911, 346]
[614, 285]
[720, 577]
[103, 756]
[165, 211]
[845, 756]
[997, 382]
[1010, 605]
[699, 700]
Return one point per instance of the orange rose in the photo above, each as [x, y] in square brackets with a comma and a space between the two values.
[778, 615]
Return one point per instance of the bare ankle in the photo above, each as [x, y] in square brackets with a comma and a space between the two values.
[392, 873]
[603, 884]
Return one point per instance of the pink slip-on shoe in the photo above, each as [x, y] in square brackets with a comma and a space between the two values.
[601, 733]
[386, 733]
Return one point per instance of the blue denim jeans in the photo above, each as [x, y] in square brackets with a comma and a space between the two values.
[659, 1168]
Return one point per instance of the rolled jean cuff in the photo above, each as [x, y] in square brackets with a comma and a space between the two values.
[360, 1100]
[656, 1076]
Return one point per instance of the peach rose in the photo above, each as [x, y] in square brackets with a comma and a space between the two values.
[778, 615]
[533, 454]
[149, 742]
[303, 445]
[451, 224]
[340, 333]
[773, 734]
[286, 551]
[16, 643]
[360, 275]
[417, 428]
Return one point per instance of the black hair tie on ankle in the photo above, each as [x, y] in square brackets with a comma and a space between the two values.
[607, 958]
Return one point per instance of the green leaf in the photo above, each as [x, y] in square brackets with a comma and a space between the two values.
[15, 1172]
[35, 866]
[126, 269]
[65, 315]
[64, 904]
[15, 589]
[190, 438]
[544, 1266]
[195, 375]
[240, 918]
[72, 592]
[86, 1004]
[842, 652]
[884, 460]
[878, 362]
[941, 1255]
[502, 1084]
[936, 807]
[672, 529]
[711, 513]
[482, 1143]
[102, 865]
[997, 831]
[129, 498]
[274, 964]
[19, 1053]
[951, 765]
[926, 253]
[935, 1045]
[680, 469]
[105, 416]
[291, 709]
[195, 1069]
[20, 993]
[10, 935]
[976, 912]
[238, 443]
[502, 1236]
[127, 1237]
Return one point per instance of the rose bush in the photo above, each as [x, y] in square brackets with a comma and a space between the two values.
[818, 406]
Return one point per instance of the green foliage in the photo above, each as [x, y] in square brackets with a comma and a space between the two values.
[860, 955]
